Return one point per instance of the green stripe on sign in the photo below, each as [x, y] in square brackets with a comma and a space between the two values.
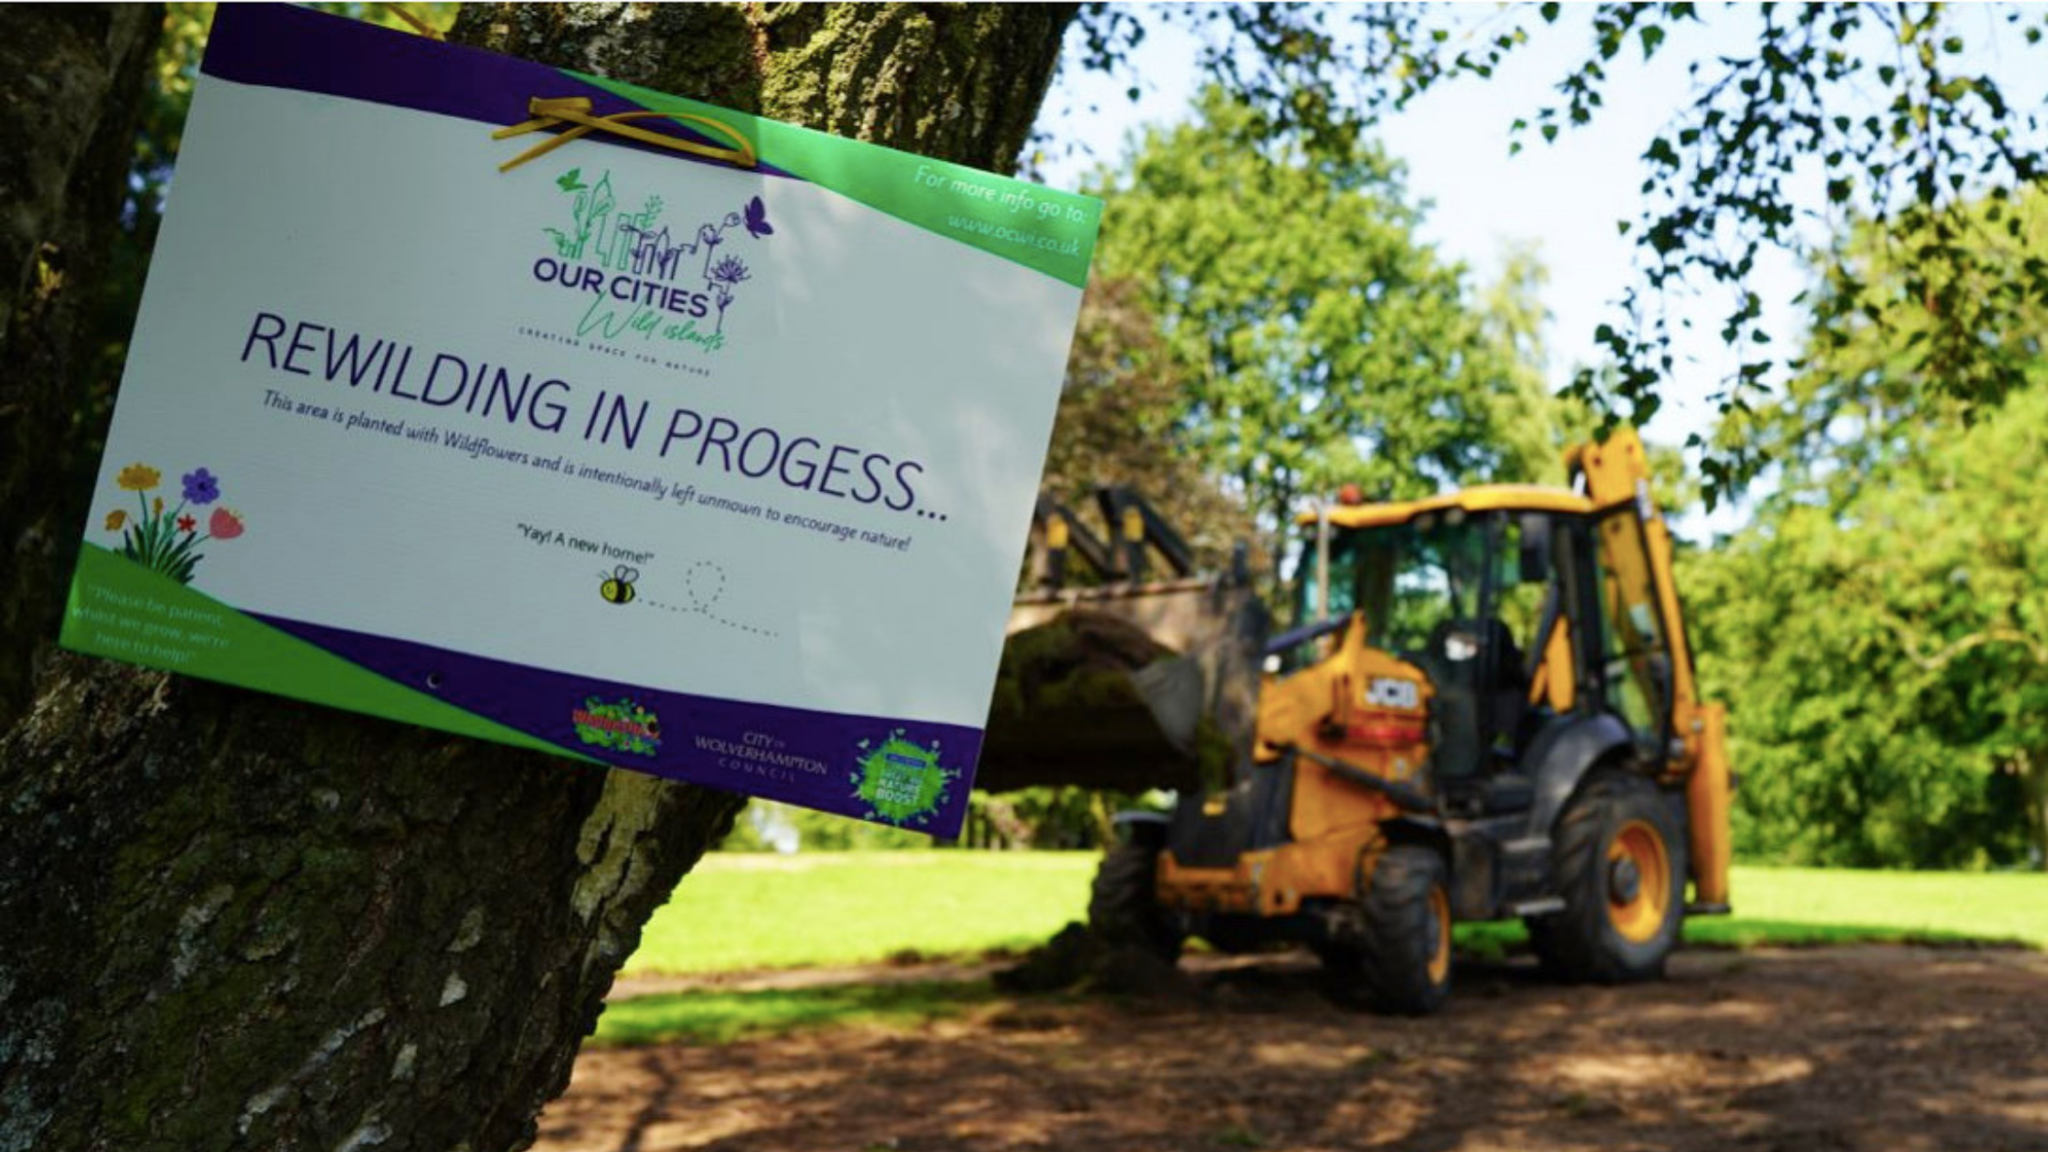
[120, 609]
[1040, 228]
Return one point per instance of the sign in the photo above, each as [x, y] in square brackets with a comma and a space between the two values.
[718, 473]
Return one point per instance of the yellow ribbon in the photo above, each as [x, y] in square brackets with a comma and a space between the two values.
[418, 25]
[556, 111]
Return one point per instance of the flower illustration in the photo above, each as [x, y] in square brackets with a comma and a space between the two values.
[169, 542]
[731, 270]
[201, 487]
[726, 277]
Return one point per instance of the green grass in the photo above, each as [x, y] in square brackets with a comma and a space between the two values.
[736, 913]
[715, 1017]
[739, 912]
[1835, 906]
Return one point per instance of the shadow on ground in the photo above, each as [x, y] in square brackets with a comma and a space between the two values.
[1867, 1048]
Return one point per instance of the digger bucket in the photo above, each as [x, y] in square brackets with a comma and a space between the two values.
[1126, 688]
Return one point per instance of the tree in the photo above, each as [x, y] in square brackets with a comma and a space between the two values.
[1885, 661]
[233, 920]
[1120, 423]
[1879, 633]
[1869, 394]
[1318, 341]
[1895, 111]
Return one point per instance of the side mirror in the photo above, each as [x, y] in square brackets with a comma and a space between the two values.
[1535, 551]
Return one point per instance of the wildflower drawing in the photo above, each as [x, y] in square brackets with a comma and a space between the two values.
[725, 277]
[169, 542]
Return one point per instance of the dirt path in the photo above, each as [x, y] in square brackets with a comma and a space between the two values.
[1893, 1049]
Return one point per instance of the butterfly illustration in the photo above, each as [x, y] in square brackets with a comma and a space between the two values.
[757, 219]
[571, 180]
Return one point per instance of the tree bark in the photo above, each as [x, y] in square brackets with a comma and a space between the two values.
[70, 84]
[233, 921]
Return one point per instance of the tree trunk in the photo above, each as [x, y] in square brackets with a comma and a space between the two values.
[70, 84]
[233, 921]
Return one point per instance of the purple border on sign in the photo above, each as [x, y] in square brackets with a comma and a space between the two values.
[279, 46]
[541, 703]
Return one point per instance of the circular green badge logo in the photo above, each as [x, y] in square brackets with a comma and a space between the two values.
[900, 781]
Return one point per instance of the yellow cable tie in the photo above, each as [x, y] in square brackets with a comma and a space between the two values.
[552, 112]
[418, 25]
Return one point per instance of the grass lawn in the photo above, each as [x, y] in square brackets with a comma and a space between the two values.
[743, 911]
[738, 912]
[710, 1016]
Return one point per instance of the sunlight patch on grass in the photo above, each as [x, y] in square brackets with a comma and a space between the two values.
[716, 1017]
[737, 913]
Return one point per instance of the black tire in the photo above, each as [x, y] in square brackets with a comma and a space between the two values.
[1400, 963]
[1123, 907]
[1620, 921]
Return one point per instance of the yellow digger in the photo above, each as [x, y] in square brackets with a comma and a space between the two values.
[1488, 712]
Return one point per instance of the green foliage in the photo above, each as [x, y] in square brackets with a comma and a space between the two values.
[1887, 106]
[1879, 633]
[766, 826]
[1055, 818]
[1119, 413]
[1317, 341]
[1870, 393]
[1883, 655]
[1893, 111]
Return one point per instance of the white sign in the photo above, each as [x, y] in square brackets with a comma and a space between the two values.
[714, 472]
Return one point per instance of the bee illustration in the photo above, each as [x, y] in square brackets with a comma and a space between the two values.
[618, 586]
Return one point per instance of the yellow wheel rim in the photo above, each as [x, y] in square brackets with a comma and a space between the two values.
[1638, 882]
[1440, 917]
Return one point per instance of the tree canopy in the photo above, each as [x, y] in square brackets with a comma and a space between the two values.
[1885, 660]
[1894, 113]
[1317, 340]
[1881, 630]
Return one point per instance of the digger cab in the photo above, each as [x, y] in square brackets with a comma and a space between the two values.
[1486, 711]
[1499, 598]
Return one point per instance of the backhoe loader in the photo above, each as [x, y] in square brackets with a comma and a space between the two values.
[1487, 712]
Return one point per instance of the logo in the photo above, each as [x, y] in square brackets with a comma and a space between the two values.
[900, 781]
[642, 274]
[1393, 692]
[622, 726]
